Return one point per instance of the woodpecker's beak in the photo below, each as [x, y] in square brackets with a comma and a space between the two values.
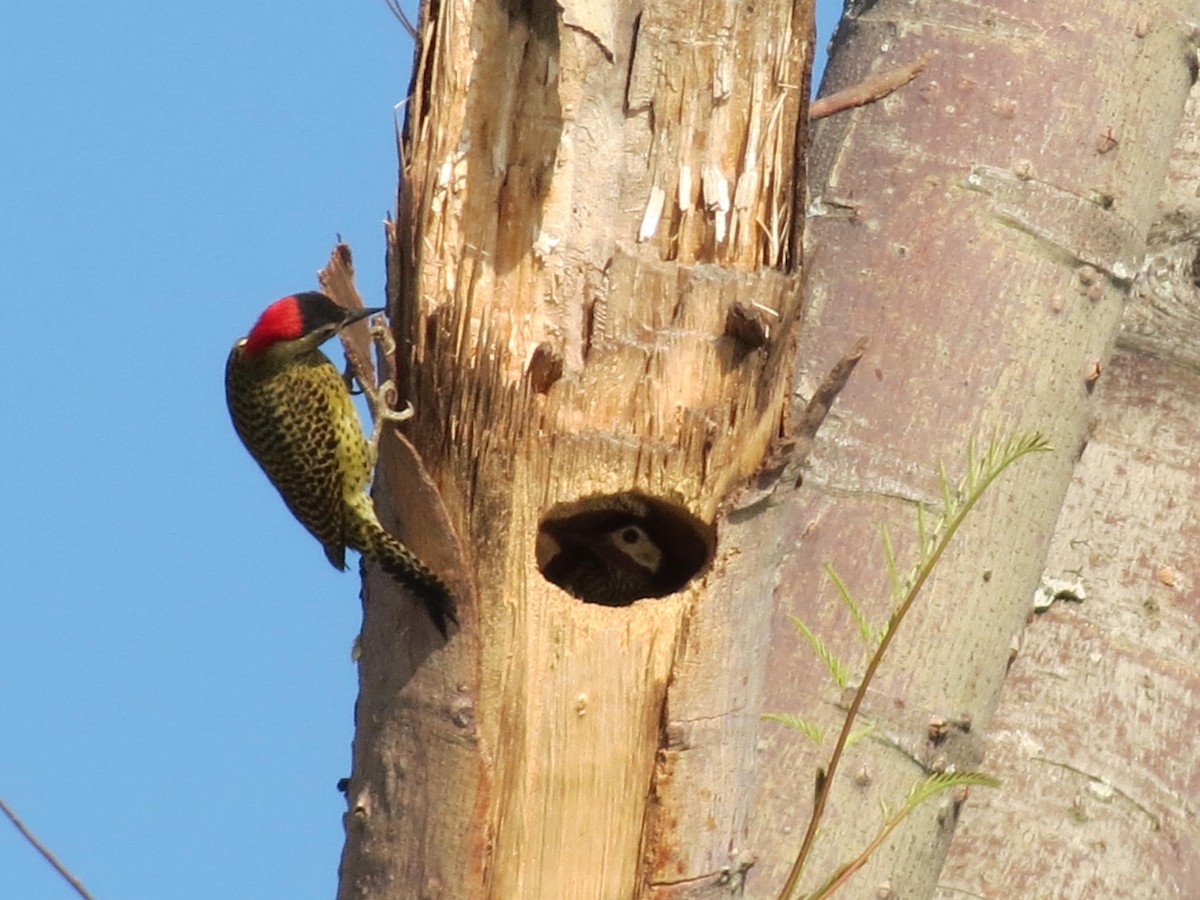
[353, 315]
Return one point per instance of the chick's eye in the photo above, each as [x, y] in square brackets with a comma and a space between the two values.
[630, 535]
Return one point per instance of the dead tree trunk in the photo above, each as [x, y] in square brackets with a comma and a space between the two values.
[596, 298]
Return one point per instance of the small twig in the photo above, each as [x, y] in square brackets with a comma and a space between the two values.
[827, 391]
[42, 849]
[404, 20]
[869, 90]
[337, 280]
[809, 422]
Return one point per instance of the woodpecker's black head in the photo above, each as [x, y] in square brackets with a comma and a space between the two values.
[299, 322]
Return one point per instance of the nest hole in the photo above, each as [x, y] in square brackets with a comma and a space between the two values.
[614, 549]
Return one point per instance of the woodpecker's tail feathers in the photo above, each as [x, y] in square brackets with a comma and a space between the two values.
[403, 566]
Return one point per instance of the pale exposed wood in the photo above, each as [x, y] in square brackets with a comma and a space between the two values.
[558, 343]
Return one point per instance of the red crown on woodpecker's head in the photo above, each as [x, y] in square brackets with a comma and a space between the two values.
[297, 315]
[281, 321]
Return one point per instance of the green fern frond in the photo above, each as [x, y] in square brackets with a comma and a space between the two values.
[922, 532]
[796, 723]
[860, 619]
[957, 504]
[889, 558]
[944, 781]
[837, 670]
[921, 791]
[858, 734]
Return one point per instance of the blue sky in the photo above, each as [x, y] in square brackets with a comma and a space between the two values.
[175, 674]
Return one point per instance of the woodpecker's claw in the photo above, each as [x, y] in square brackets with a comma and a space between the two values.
[386, 393]
[381, 405]
[382, 335]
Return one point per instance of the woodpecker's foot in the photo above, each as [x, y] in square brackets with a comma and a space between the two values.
[381, 403]
[386, 396]
[381, 334]
[383, 398]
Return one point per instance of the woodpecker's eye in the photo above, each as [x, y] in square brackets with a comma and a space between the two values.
[630, 535]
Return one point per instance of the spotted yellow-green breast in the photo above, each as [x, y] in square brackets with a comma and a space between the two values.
[298, 421]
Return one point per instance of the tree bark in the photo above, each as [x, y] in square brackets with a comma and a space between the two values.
[1094, 735]
[980, 227]
[596, 293]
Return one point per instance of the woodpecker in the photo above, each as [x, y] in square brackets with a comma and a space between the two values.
[613, 565]
[292, 409]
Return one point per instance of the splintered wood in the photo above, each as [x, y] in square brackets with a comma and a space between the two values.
[587, 198]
